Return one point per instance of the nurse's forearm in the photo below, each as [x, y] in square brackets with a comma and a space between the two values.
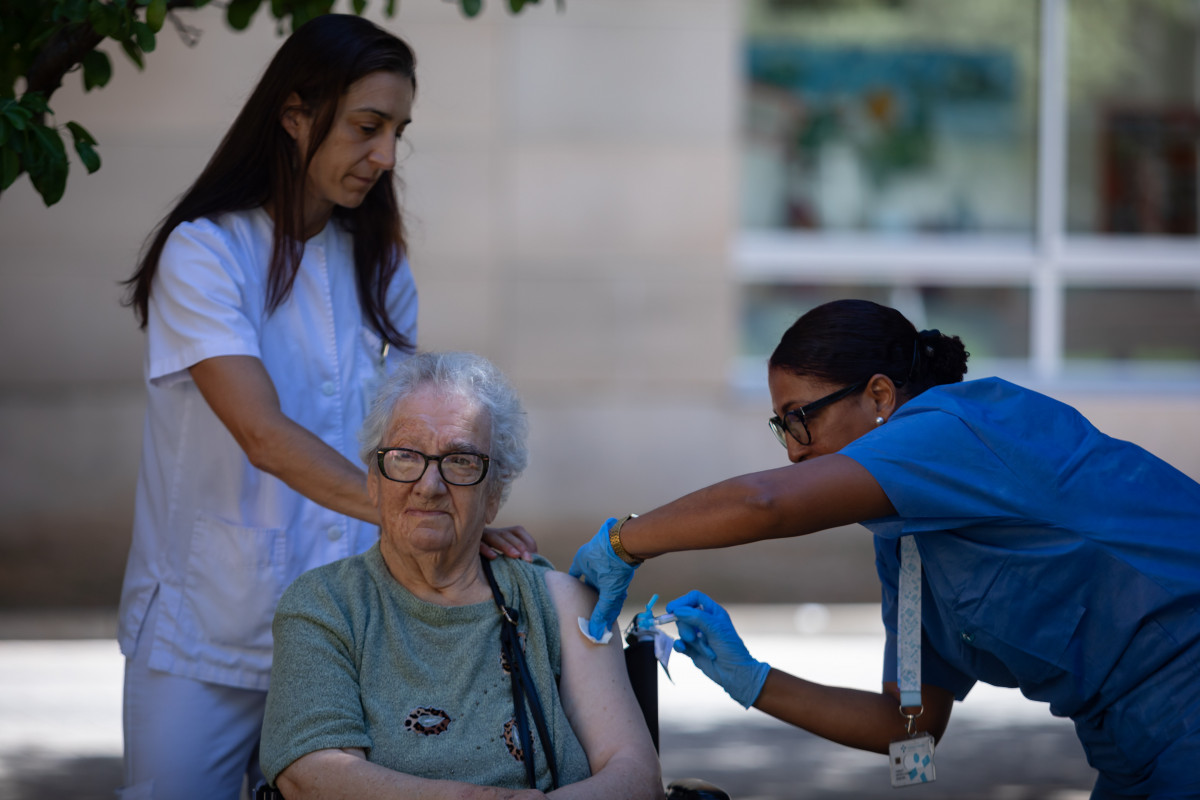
[853, 717]
[243, 396]
[789, 501]
[314, 469]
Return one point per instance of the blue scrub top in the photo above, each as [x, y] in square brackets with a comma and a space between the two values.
[1056, 559]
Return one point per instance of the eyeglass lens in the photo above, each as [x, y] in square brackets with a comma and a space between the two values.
[458, 469]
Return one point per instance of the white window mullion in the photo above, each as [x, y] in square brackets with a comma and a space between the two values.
[1047, 316]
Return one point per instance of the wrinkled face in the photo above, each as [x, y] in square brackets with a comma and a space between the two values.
[360, 147]
[832, 427]
[431, 515]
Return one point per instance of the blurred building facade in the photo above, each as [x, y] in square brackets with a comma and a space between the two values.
[624, 202]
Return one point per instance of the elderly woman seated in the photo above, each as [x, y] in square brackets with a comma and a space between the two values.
[395, 670]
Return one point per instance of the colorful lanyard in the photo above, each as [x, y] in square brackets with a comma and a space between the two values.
[908, 623]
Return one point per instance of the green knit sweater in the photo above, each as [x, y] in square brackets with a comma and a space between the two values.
[360, 662]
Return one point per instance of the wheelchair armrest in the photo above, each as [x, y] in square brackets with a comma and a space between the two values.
[265, 792]
[694, 789]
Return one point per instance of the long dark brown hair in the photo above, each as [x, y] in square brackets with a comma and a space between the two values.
[257, 162]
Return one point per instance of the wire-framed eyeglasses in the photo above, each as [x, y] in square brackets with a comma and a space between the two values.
[795, 421]
[404, 465]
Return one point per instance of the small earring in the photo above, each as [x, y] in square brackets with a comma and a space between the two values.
[879, 420]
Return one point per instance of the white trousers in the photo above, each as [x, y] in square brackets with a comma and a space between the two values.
[185, 738]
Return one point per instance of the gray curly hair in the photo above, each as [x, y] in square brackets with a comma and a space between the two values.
[467, 375]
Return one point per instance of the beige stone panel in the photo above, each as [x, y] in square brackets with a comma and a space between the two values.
[61, 319]
[558, 334]
[673, 332]
[458, 313]
[568, 201]
[450, 214]
[456, 74]
[625, 72]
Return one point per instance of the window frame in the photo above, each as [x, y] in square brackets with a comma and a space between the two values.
[1048, 262]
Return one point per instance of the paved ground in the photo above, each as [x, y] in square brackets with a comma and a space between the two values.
[60, 720]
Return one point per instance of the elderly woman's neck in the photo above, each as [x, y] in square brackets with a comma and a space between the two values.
[438, 579]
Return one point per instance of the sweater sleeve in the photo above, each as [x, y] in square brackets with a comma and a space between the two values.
[313, 703]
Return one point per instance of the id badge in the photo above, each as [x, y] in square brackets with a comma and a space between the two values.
[911, 761]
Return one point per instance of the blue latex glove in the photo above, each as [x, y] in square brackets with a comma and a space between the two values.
[605, 572]
[707, 637]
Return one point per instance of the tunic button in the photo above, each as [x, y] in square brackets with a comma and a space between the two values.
[329, 388]
[334, 533]
[968, 637]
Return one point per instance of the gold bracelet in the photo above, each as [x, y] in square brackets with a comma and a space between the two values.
[614, 538]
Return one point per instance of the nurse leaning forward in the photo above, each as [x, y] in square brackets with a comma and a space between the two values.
[274, 296]
[1056, 559]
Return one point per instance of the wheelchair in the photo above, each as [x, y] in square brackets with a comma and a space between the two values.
[642, 667]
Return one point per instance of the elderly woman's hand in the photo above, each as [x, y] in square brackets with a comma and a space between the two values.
[514, 542]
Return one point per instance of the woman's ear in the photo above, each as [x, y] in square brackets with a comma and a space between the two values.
[882, 392]
[295, 119]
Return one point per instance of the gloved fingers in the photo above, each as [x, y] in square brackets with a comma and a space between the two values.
[608, 608]
[591, 558]
[693, 599]
[695, 649]
[701, 619]
[695, 640]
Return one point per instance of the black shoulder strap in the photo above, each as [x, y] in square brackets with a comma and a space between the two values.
[523, 689]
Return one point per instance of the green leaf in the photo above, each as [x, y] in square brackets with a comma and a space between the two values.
[85, 146]
[156, 14]
[359, 6]
[49, 140]
[10, 167]
[516, 5]
[80, 133]
[17, 116]
[47, 163]
[73, 10]
[389, 8]
[145, 36]
[239, 13]
[89, 157]
[131, 50]
[105, 19]
[97, 70]
[35, 102]
[471, 7]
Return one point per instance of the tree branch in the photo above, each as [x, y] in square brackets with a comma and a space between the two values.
[66, 49]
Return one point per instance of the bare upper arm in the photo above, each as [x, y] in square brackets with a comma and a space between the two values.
[595, 689]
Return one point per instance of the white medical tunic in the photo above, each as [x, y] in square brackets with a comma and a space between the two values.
[216, 539]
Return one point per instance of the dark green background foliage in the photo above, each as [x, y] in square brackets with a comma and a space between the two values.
[42, 40]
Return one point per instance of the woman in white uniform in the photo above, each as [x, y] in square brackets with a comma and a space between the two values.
[274, 296]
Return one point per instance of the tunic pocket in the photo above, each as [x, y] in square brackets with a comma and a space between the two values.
[1026, 627]
[235, 577]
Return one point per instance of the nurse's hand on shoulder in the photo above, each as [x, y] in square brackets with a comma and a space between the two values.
[514, 542]
[707, 637]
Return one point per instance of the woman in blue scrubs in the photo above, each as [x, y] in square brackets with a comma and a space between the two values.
[1057, 559]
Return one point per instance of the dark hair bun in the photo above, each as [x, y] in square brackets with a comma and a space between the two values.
[943, 358]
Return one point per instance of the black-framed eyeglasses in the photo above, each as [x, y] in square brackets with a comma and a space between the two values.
[795, 421]
[403, 465]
